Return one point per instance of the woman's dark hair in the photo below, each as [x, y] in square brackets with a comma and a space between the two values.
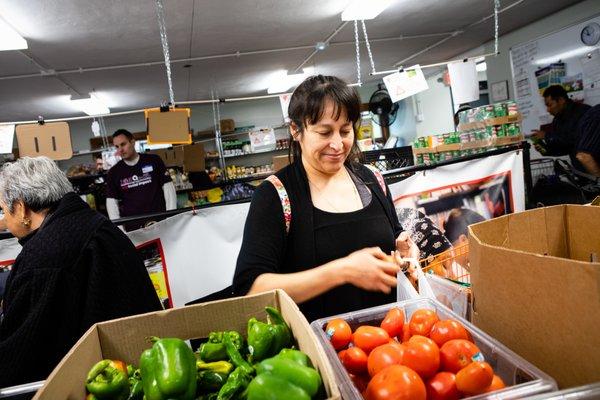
[308, 102]
[458, 222]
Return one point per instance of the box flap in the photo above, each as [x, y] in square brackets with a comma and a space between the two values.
[68, 378]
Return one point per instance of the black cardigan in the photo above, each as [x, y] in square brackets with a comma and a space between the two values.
[76, 270]
[266, 248]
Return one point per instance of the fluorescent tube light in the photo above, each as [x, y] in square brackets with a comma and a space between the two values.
[91, 105]
[10, 39]
[362, 9]
[281, 81]
[481, 67]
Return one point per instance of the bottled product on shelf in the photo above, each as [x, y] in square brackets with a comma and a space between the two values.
[236, 172]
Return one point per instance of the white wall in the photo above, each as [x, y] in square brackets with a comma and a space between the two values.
[436, 108]
[499, 68]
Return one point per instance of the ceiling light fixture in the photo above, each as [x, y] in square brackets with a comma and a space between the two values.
[481, 67]
[10, 39]
[363, 10]
[320, 46]
[90, 105]
[282, 81]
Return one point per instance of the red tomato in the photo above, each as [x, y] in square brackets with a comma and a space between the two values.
[393, 322]
[442, 387]
[369, 337]
[396, 383]
[422, 321]
[456, 354]
[422, 355]
[475, 378]
[497, 384]
[339, 333]
[341, 355]
[360, 381]
[395, 343]
[449, 329]
[355, 361]
[405, 333]
[383, 356]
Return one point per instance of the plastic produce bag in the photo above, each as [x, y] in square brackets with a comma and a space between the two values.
[406, 290]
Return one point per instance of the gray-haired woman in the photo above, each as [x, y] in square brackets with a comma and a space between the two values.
[75, 269]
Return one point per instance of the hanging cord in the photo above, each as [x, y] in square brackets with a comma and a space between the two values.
[160, 13]
[358, 81]
[368, 47]
[103, 132]
[496, 8]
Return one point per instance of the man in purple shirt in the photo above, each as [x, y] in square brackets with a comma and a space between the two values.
[139, 183]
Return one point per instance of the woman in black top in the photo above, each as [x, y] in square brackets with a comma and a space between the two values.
[333, 259]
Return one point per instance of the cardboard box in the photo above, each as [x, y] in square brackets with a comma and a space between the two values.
[536, 291]
[125, 339]
[227, 125]
[52, 139]
[280, 162]
[172, 126]
[194, 158]
[191, 157]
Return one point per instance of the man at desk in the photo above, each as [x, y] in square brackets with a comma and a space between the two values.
[139, 183]
[562, 136]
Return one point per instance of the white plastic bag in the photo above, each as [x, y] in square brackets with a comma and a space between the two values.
[405, 289]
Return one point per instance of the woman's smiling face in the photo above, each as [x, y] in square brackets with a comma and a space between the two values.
[327, 143]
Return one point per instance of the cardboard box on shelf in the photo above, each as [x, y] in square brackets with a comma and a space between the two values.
[125, 339]
[194, 157]
[280, 162]
[191, 157]
[227, 125]
[536, 291]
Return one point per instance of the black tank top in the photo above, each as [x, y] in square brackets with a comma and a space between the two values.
[339, 234]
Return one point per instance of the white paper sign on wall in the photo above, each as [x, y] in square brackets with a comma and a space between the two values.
[7, 136]
[464, 82]
[403, 84]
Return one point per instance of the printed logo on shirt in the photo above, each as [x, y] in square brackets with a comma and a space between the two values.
[135, 181]
[147, 169]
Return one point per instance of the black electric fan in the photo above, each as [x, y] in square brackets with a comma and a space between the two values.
[383, 109]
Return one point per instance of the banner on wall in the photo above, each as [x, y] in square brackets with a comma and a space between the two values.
[491, 187]
[192, 255]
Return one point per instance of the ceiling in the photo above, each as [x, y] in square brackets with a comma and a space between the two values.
[71, 37]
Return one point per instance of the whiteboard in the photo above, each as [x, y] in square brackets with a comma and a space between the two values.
[566, 46]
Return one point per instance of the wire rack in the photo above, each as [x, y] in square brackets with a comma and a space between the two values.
[451, 264]
[389, 159]
[542, 167]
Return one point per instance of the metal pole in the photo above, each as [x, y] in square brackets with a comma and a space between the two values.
[391, 71]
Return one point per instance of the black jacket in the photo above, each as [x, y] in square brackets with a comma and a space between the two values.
[266, 248]
[565, 132]
[76, 270]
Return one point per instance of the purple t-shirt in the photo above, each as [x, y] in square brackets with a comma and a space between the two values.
[139, 187]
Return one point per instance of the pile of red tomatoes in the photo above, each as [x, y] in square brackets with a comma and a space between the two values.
[426, 358]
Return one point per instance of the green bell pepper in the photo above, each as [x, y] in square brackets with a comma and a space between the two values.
[295, 355]
[272, 387]
[308, 379]
[267, 339]
[211, 381]
[222, 367]
[260, 339]
[237, 382]
[236, 357]
[168, 370]
[214, 349]
[108, 380]
[282, 335]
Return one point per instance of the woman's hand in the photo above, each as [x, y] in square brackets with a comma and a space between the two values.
[370, 269]
[405, 247]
